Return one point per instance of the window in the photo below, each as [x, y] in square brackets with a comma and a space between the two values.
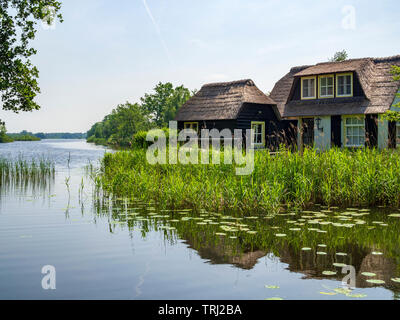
[344, 85]
[191, 125]
[398, 134]
[326, 85]
[258, 133]
[354, 131]
[308, 88]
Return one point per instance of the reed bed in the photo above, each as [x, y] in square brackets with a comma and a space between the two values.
[25, 172]
[340, 177]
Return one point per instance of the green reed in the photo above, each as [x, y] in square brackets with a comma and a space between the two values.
[21, 171]
[366, 177]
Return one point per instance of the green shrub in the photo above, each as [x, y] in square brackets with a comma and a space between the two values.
[5, 138]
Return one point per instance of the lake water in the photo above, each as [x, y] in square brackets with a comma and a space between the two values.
[105, 248]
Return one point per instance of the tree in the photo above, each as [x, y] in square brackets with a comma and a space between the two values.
[394, 115]
[4, 138]
[339, 56]
[165, 102]
[119, 127]
[18, 77]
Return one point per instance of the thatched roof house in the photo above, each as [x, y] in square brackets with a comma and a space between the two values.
[223, 101]
[233, 105]
[332, 97]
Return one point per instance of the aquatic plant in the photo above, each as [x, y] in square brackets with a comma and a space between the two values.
[366, 177]
[232, 238]
[22, 173]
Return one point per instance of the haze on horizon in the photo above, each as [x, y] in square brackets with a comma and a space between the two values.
[105, 53]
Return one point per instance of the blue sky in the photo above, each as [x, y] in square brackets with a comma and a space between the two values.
[108, 52]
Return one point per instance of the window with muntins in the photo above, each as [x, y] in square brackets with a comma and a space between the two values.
[344, 85]
[326, 86]
[258, 132]
[354, 129]
[308, 88]
[191, 125]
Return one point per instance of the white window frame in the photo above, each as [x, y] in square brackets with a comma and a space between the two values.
[327, 76]
[345, 126]
[254, 123]
[302, 88]
[351, 84]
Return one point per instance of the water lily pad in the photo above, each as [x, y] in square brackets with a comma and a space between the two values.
[341, 254]
[322, 245]
[340, 265]
[395, 279]
[328, 293]
[376, 253]
[306, 249]
[329, 273]
[345, 291]
[394, 215]
[251, 232]
[280, 235]
[358, 295]
[368, 274]
[375, 281]
[271, 287]
[321, 253]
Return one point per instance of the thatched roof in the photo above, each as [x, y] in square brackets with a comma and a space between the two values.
[375, 78]
[222, 101]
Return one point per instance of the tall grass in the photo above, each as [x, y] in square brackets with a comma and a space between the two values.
[21, 172]
[365, 177]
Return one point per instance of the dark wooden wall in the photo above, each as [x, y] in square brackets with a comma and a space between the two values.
[371, 130]
[211, 124]
[336, 131]
[276, 131]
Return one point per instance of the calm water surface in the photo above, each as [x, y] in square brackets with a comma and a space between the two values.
[106, 248]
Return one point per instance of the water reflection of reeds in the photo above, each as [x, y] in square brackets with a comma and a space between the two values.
[350, 236]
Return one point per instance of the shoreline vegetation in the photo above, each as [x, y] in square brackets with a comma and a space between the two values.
[286, 180]
[7, 138]
[128, 123]
[29, 136]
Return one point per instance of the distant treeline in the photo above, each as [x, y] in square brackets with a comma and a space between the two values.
[55, 135]
[128, 120]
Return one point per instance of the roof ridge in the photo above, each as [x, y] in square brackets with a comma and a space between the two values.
[299, 68]
[230, 83]
[374, 59]
[387, 59]
[344, 61]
